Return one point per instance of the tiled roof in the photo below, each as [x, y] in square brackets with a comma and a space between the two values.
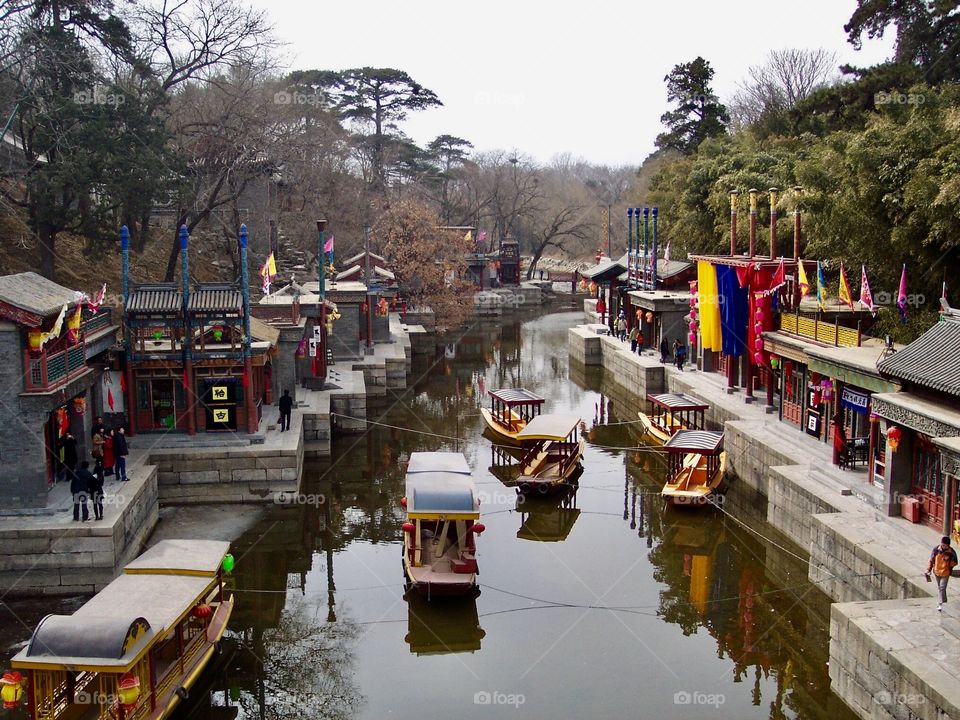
[34, 293]
[155, 299]
[932, 360]
[216, 299]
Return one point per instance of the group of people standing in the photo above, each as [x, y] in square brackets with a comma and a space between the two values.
[109, 450]
[636, 342]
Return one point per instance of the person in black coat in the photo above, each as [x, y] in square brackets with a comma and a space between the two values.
[80, 486]
[95, 487]
[69, 445]
[286, 407]
[120, 452]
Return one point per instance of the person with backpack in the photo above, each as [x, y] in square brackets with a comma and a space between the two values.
[943, 559]
[679, 354]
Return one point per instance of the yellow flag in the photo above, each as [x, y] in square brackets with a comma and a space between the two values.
[269, 269]
[55, 330]
[844, 294]
[802, 280]
[469, 236]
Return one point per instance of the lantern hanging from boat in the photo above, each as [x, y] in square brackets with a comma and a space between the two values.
[477, 528]
[894, 435]
[128, 691]
[202, 612]
[11, 689]
[409, 528]
[228, 563]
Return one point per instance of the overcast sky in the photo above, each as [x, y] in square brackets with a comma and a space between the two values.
[584, 80]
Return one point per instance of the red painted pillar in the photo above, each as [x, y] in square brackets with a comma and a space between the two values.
[188, 396]
[770, 380]
[252, 422]
[130, 398]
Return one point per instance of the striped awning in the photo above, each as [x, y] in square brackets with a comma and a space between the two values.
[155, 299]
[677, 401]
[516, 396]
[215, 300]
[704, 442]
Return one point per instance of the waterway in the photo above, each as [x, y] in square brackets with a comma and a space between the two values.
[602, 604]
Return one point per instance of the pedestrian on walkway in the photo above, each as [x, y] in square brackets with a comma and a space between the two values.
[664, 350]
[98, 427]
[602, 310]
[679, 354]
[942, 561]
[96, 494]
[80, 487]
[633, 338]
[622, 327]
[68, 443]
[120, 451]
[286, 408]
[97, 453]
[639, 342]
[108, 456]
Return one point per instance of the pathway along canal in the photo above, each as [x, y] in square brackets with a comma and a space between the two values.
[602, 606]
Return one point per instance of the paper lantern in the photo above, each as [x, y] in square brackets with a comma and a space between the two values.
[649, 316]
[758, 358]
[692, 338]
[693, 327]
[759, 314]
[693, 313]
[202, 612]
[757, 328]
[408, 527]
[758, 344]
[228, 563]
[774, 362]
[128, 691]
[11, 689]
[894, 435]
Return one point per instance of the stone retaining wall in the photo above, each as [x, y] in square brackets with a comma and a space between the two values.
[81, 558]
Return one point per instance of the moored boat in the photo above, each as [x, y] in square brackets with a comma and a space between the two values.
[510, 411]
[552, 449]
[695, 466]
[671, 412]
[439, 536]
[134, 649]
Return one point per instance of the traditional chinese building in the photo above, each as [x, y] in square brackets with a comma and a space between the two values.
[195, 358]
[50, 377]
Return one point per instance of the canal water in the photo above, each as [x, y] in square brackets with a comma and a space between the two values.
[599, 604]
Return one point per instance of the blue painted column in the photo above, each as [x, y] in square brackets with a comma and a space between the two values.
[251, 406]
[129, 398]
[630, 251]
[653, 262]
[191, 410]
[646, 237]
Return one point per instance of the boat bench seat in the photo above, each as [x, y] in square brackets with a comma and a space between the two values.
[537, 463]
[466, 565]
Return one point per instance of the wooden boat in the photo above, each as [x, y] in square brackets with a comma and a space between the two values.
[510, 411]
[695, 466]
[547, 519]
[552, 449]
[670, 412]
[440, 627]
[439, 548]
[134, 649]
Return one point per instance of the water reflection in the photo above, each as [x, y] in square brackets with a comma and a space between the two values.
[442, 625]
[548, 519]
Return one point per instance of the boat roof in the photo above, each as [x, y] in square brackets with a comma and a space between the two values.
[441, 493]
[112, 629]
[448, 462]
[549, 427]
[704, 442]
[677, 401]
[516, 396]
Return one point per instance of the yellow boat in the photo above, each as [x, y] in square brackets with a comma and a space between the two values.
[439, 536]
[670, 412]
[510, 411]
[695, 466]
[552, 449]
[132, 651]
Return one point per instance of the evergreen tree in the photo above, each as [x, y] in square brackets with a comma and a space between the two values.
[698, 114]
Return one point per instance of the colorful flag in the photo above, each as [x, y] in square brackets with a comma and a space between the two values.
[902, 295]
[54, 332]
[844, 294]
[866, 297]
[802, 280]
[328, 245]
[73, 325]
[481, 238]
[110, 399]
[123, 383]
[778, 280]
[268, 272]
[469, 236]
[821, 288]
[94, 304]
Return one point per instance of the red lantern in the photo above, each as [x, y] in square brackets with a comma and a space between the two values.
[11, 689]
[692, 338]
[203, 611]
[758, 344]
[408, 527]
[757, 328]
[894, 435]
[128, 691]
[403, 502]
[758, 358]
[693, 326]
[477, 528]
[693, 313]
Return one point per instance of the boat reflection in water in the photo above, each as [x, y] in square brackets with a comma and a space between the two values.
[548, 519]
[442, 625]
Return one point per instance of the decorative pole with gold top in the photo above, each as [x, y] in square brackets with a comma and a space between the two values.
[774, 197]
[733, 222]
[753, 222]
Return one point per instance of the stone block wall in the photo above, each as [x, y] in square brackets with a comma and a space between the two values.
[78, 558]
[748, 459]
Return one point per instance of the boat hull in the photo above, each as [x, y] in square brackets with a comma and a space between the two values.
[502, 434]
[653, 431]
[431, 583]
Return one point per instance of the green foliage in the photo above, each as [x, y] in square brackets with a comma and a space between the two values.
[698, 114]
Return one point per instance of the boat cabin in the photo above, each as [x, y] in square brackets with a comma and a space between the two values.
[697, 451]
[670, 412]
[514, 408]
[552, 449]
[134, 649]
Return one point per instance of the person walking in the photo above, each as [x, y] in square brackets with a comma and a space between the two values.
[95, 490]
[664, 350]
[633, 339]
[108, 456]
[639, 341]
[942, 561]
[98, 427]
[97, 453]
[622, 327]
[120, 452]
[680, 354]
[286, 408]
[602, 310]
[80, 488]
